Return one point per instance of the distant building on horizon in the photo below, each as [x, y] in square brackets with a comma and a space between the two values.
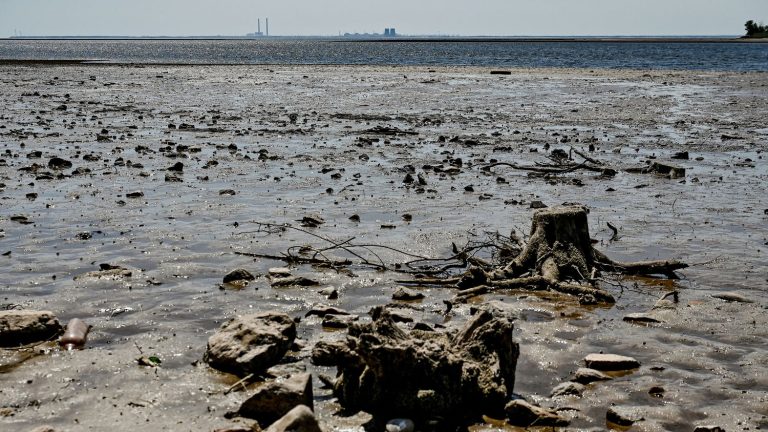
[258, 32]
[390, 32]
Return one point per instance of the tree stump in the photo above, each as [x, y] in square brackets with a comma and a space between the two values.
[559, 256]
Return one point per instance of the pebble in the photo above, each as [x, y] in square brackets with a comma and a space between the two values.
[406, 295]
[641, 318]
[732, 297]
[400, 425]
[568, 389]
[588, 376]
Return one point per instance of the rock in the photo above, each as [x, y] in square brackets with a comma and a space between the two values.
[293, 281]
[522, 413]
[21, 327]
[422, 375]
[400, 425]
[313, 221]
[641, 318]
[250, 343]
[568, 389]
[322, 311]
[339, 321]
[299, 419]
[107, 272]
[43, 429]
[732, 297]
[137, 194]
[239, 275]
[670, 171]
[173, 178]
[621, 416]
[279, 272]
[538, 205]
[228, 192]
[58, 163]
[708, 428]
[681, 155]
[587, 376]
[177, 167]
[407, 295]
[274, 400]
[610, 362]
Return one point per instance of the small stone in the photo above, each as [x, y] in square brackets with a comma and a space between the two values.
[43, 429]
[568, 389]
[354, 218]
[538, 205]
[227, 192]
[621, 416]
[293, 281]
[312, 221]
[279, 271]
[239, 275]
[681, 155]
[177, 167]
[20, 327]
[137, 194]
[299, 419]
[58, 163]
[274, 400]
[587, 376]
[522, 413]
[400, 425]
[610, 362]
[251, 343]
[657, 391]
[339, 321]
[404, 294]
[322, 311]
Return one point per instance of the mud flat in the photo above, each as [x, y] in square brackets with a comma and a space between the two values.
[410, 158]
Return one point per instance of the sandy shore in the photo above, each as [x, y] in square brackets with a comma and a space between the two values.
[294, 141]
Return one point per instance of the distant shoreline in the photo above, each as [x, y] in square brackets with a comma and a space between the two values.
[412, 39]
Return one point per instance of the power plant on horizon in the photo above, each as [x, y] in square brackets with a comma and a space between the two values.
[258, 32]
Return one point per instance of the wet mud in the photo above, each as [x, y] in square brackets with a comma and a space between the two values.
[90, 175]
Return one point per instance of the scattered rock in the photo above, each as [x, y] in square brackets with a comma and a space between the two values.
[250, 343]
[621, 416]
[339, 321]
[313, 221]
[568, 389]
[732, 297]
[681, 155]
[137, 194]
[239, 275]
[641, 318]
[354, 218]
[405, 294]
[610, 362]
[522, 413]
[538, 205]
[708, 428]
[43, 429]
[274, 400]
[657, 391]
[423, 375]
[106, 272]
[400, 425]
[293, 281]
[279, 272]
[322, 311]
[177, 167]
[587, 376]
[58, 163]
[228, 192]
[299, 419]
[21, 327]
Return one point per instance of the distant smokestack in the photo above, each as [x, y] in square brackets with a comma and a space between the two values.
[267, 26]
[258, 26]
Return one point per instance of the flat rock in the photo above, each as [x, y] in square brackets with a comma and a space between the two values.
[732, 297]
[108, 274]
[21, 327]
[239, 275]
[622, 416]
[587, 376]
[275, 399]
[405, 294]
[641, 318]
[522, 413]
[293, 281]
[251, 343]
[610, 362]
[708, 428]
[568, 389]
[339, 321]
[279, 272]
[299, 419]
[322, 311]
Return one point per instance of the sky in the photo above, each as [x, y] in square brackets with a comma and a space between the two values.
[416, 17]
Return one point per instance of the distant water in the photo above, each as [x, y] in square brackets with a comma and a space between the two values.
[715, 56]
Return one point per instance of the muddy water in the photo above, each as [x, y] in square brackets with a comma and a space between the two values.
[181, 238]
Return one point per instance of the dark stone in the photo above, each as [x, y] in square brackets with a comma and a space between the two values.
[58, 163]
[239, 274]
[275, 399]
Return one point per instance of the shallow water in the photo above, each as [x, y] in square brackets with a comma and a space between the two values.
[181, 238]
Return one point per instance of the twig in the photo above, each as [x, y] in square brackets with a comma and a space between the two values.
[241, 382]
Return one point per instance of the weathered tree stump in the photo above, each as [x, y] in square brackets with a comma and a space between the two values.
[559, 256]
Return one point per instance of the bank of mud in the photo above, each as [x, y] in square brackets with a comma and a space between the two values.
[276, 144]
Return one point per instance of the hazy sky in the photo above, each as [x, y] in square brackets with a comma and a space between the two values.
[329, 17]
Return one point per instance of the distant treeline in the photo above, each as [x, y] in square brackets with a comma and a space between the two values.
[756, 30]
